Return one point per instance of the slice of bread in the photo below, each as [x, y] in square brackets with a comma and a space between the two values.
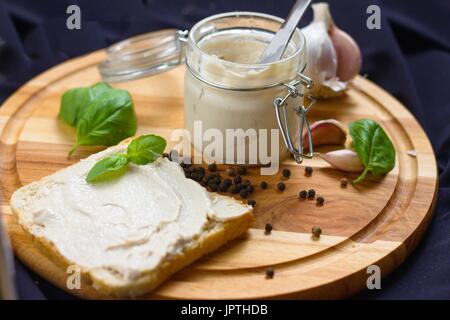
[127, 251]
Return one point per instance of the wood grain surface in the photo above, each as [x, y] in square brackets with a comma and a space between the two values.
[378, 222]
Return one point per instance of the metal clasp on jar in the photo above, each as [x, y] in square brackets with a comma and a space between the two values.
[281, 110]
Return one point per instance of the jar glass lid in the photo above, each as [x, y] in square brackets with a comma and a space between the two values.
[142, 55]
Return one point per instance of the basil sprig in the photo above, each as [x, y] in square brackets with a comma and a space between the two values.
[373, 146]
[140, 151]
[102, 115]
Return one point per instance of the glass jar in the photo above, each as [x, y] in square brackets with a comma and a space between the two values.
[228, 96]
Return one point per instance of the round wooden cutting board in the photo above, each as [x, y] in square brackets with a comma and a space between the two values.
[378, 222]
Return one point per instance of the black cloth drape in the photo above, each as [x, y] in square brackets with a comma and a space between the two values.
[409, 57]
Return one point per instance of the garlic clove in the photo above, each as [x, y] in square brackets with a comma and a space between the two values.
[348, 54]
[324, 132]
[344, 159]
[333, 57]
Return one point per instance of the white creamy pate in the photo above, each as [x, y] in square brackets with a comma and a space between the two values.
[228, 59]
[129, 224]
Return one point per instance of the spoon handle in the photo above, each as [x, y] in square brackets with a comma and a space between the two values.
[274, 51]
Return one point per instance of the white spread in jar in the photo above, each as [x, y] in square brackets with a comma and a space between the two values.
[228, 60]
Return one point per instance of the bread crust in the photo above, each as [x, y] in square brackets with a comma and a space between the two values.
[111, 285]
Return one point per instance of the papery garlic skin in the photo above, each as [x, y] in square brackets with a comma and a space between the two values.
[333, 57]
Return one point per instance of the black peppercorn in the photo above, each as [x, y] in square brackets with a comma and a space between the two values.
[211, 182]
[268, 228]
[311, 193]
[308, 170]
[270, 273]
[227, 182]
[303, 194]
[242, 170]
[223, 187]
[251, 202]
[250, 188]
[237, 179]
[243, 193]
[240, 186]
[212, 167]
[344, 182]
[200, 170]
[231, 172]
[214, 187]
[281, 186]
[316, 231]
[286, 173]
[320, 200]
[263, 185]
[234, 189]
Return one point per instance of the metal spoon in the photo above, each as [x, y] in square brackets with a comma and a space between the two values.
[274, 51]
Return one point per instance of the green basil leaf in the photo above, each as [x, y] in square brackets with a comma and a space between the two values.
[108, 168]
[373, 146]
[146, 149]
[107, 120]
[74, 101]
[71, 103]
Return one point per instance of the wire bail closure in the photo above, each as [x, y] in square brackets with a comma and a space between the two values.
[281, 111]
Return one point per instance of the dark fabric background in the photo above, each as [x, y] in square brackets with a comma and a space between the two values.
[409, 57]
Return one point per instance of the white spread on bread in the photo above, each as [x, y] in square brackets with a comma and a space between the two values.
[128, 224]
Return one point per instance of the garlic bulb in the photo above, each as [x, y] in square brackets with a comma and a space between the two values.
[333, 57]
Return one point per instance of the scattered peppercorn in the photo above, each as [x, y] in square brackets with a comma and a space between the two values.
[320, 200]
[227, 182]
[243, 193]
[268, 228]
[316, 231]
[213, 187]
[311, 193]
[270, 273]
[251, 202]
[200, 170]
[281, 186]
[286, 173]
[263, 185]
[242, 170]
[231, 172]
[234, 189]
[308, 170]
[237, 179]
[250, 188]
[223, 187]
[212, 167]
[303, 194]
[344, 182]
